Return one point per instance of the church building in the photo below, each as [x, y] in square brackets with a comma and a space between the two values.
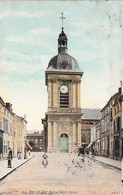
[62, 122]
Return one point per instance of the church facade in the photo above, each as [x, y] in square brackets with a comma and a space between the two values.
[62, 122]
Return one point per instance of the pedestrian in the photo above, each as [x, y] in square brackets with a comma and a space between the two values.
[122, 170]
[19, 154]
[10, 153]
[10, 158]
[45, 161]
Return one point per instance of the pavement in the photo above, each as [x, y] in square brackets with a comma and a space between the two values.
[66, 173]
[4, 170]
[107, 161]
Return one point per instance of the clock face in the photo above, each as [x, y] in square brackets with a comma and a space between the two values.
[64, 88]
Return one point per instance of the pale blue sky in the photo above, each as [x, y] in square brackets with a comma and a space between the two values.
[28, 39]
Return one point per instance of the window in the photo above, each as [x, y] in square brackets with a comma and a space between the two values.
[5, 125]
[36, 141]
[4, 110]
[118, 123]
[10, 128]
[0, 122]
[98, 134]
[103, 143]
[115, 125]
[5, 147]
[40, 141]
[14, 134]
[106, 143]
[102, 125]
[64, 100]
[111, 148]
[111, 114]
[8, 144]
[83, 139]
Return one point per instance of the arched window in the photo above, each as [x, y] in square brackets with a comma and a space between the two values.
[83, 138]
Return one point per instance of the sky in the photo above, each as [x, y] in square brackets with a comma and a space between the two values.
[29, 32]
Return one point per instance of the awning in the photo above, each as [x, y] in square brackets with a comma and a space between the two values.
[28, 145]
[89, 145]
[115, 135]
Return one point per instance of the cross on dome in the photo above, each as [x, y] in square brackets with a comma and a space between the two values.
[62, 18]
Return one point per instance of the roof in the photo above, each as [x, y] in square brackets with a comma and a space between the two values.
[1, 101]
[55, 63]
[112, 97]
[34, 135]
[91, 114]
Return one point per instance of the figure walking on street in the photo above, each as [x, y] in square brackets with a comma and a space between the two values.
[19, 154]
[10, 158]
[45, 161]
[10, 153]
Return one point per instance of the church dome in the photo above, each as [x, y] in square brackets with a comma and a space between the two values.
[61, 59]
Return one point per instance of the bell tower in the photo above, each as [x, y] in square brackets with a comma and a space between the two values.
[63, 117]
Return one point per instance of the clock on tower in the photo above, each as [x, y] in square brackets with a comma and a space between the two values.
[64, 89]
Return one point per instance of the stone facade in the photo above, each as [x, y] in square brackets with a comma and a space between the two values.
[62, 124]
[64, 120]
[105, 131]
[110, 128]
[11, 130]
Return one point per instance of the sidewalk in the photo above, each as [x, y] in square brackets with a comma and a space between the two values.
[107, 161]
[4, 170]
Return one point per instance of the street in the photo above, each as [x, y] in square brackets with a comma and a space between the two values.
[66, 173]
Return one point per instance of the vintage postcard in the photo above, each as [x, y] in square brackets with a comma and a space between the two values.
[61, 97]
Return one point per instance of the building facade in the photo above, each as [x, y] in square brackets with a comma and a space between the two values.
[115, 122]
[110, 128]
[35, 140]
[1, 126]
[89, 118]
[7, 128]
[98, 139]
[105, 131]
[63, 118]
[11, 130]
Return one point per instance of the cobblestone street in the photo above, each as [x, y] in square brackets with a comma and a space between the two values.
[65, 174]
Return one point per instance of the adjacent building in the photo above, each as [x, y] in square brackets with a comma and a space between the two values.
[7, 128]
[2, 104]
[35, 140]
[11, 130]
[89, 118]
[105, 122]
[98, 138]
[109, 130]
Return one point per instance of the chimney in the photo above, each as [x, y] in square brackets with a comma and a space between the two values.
[119, 90]
[9, 106]
[25, 116]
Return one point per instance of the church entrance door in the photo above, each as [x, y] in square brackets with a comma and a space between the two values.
[64, 143]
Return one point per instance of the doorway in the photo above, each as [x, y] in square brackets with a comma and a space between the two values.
[64, 143]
